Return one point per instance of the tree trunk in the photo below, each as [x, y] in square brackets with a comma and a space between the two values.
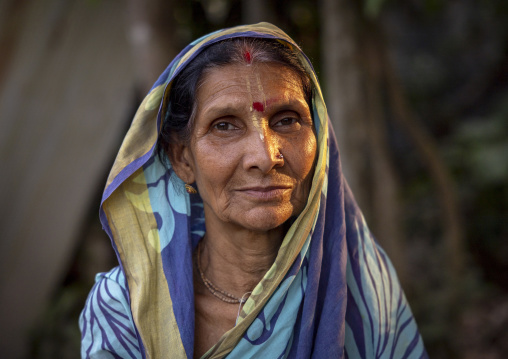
[152, 33]
[353, 91]
[386, 220]
[343, 90]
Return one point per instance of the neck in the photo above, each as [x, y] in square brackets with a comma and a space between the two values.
[236, 260]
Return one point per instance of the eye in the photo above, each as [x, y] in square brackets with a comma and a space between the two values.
[287, 121]
[224, 126]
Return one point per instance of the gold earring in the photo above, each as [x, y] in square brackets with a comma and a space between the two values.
[190, 189]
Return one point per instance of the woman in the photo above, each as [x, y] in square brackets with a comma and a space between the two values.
[286, 266]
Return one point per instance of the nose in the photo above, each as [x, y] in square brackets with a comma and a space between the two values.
[262, 152]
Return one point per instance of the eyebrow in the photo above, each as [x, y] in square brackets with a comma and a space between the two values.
[283, 104]
[222, 110]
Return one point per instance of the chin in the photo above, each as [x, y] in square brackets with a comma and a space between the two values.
[266, 219]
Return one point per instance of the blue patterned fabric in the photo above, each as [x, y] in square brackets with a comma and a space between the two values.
[106, 322]
[331, 293]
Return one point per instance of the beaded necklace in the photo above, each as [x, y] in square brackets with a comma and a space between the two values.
[212, 288]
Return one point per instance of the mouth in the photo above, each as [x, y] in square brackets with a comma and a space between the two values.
[266, 193]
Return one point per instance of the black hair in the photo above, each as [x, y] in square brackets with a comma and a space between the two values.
[179, 114]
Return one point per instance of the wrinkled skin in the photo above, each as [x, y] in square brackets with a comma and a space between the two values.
[246, 117]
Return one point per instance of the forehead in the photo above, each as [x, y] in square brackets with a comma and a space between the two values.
[252, 80]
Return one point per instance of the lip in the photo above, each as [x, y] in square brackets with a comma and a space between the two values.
[266, 193]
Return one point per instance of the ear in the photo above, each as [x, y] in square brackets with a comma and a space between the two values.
[181, 160]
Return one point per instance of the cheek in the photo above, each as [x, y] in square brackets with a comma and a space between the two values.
[305, 171]
[212, 168]
[311, 151]
[305, 156]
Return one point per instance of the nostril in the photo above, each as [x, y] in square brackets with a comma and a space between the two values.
[263, 155]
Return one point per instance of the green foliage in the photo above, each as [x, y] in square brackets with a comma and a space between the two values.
[373, 7]
[478, 155]
[481, 147]
[433, 6]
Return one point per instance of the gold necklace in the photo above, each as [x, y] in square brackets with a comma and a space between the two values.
[212, 288]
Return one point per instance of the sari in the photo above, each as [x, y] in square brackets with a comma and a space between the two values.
[331, 292]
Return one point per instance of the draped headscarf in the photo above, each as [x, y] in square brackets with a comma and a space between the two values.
[331, 292]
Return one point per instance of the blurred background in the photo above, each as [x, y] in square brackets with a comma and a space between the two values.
[417, 92]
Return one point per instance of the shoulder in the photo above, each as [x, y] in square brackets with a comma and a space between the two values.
[379, 321]
[107, 328]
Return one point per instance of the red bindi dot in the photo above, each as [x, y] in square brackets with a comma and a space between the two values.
[247, 57]
[258, 106]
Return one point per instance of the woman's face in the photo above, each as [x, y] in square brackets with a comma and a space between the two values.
[247, 116]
